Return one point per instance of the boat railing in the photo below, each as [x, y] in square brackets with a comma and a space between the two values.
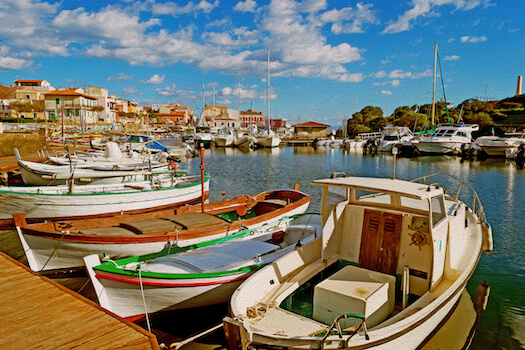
[477, 207]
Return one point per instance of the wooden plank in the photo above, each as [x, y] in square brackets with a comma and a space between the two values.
[39, 313]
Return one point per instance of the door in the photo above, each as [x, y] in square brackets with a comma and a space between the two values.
[380, 241]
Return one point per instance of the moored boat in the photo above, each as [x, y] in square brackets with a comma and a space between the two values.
[122, 236]
[200, 275]
[40, 203]
[392, 262]
[447, 139]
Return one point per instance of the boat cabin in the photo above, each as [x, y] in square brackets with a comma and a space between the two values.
[385, 244]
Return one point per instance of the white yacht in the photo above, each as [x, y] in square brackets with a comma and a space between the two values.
[447, 139]
[392, 135]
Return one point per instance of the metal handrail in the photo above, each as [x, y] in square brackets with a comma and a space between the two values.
[477, 207]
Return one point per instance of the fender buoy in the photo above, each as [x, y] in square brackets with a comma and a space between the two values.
[174, 165]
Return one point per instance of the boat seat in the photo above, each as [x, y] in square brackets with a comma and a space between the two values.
[277, 201]
[108, 231]
[150, 226]
[196, 220]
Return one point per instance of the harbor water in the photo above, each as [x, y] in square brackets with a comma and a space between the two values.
[500, 185]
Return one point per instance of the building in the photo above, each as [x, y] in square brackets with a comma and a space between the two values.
[36, 84]
[71, 105]
[35, 98]
[310, 130]
[6, 95]
[251, 118]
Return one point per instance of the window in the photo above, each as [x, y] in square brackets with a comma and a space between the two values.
[438, 210]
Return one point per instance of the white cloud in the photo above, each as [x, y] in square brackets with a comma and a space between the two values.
[171, 8]
[348, 20]
[12, 63]
[427, 8]
[473, 39]
[130, 89]
[394, 83]
[245, 6]
[120, 77]
[386, 92]
[155, 79]
[451, 58]
[398, 73]
[167, 91]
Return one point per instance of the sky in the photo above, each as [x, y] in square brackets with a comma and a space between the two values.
[328, 59]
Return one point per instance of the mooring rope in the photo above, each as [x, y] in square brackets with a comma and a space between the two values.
[55, 249]
[144, 301]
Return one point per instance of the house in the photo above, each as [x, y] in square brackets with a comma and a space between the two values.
[35, 98]
[71, 105]
[36, 84]
[6, 95]
[252, 118]
[175, 113]
[310, 130]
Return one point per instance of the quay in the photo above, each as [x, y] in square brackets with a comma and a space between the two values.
[37, 313]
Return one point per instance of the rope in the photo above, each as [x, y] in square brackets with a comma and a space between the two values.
[54, 250]
[144, 302]
[225, 190]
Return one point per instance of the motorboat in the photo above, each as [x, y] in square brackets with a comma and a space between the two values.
[392, 135]
[197, 275]
[447, 139]
[225, 138]
[496, 146]
[392, 262]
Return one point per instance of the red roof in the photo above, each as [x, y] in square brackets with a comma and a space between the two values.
[68, 92]
[311, 125]
[29, 80]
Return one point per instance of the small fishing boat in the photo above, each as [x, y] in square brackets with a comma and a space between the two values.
[40, 203]
[447, 139]
[194, 276]
[267, 139]
[63, 243]
[40, 174]
[392, 262]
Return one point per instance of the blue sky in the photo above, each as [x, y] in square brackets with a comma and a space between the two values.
[328, 58]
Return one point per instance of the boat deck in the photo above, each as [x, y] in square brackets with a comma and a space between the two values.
[39, 313]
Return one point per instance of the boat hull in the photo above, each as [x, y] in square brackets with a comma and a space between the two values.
[430, 147]
[268, 142]
[56, 203]
[52, 250]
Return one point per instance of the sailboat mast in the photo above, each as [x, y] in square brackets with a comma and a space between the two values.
[268, 92]
[434, 84]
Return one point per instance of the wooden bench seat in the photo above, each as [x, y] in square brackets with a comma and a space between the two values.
[151, 226]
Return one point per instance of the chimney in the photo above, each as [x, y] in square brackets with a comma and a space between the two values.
[520, 82]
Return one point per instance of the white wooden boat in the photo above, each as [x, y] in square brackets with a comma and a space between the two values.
[111, 157]
[447, 139]
[40, 174]
[202, 137]
[195, 276]
[245, 141]
[122, 236]
[40, 203]
[392, 262]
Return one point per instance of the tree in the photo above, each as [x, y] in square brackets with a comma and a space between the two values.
[20, 107]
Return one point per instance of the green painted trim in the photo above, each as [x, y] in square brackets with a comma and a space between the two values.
[206, 179]
[114, 266]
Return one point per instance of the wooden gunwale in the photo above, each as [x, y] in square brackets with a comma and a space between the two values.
[161, 236]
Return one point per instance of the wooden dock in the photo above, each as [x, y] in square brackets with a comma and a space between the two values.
[37, 313]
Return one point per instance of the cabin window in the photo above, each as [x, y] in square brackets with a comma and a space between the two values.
[462, 133]
[372, 197]
[438, 210]
[414, 203]
[449, 132]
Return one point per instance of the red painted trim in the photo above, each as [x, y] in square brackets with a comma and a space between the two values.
[171, 284]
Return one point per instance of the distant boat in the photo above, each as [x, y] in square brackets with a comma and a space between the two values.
[202, 137]
[122, 236]
[393, 260]
[39, 174]
[392, 135]
[199, 275]
[40, 203]
[225, 138]
[496, 146]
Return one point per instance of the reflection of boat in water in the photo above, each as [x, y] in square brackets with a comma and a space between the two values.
[394, 257]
